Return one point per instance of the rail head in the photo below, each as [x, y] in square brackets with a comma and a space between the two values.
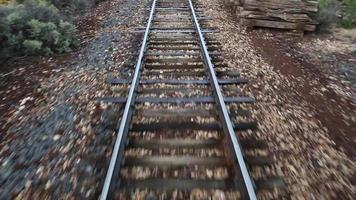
[123, 124]
[220, 100]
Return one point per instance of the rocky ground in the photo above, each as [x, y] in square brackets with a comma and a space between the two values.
[56, 139]
[335, 54]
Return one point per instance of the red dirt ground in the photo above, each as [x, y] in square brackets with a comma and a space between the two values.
[328, 108]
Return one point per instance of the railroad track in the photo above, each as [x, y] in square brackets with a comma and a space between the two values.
[177, 135]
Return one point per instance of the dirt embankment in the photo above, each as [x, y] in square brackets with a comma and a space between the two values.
[313, 88]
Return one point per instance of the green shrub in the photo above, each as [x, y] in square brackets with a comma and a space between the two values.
[335, 12]
[32, 46]
[324, 3]
[353, 53]
[37, 27]
[34, 28]
[4, 1]
[327, 15]
[66, 31]
[349, 20]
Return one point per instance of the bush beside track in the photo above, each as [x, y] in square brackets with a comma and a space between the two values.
[38, 27]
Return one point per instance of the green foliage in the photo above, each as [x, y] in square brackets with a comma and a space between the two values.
[324, 3]
[353, 53]
[34, 28]
[37, 27]
[32, 46]
[4, 1]
[330, 8]
[349, 20]
[66, 37]
[327, 15]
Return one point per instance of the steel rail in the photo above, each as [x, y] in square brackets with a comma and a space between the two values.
[127, 115]
[226, 118]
